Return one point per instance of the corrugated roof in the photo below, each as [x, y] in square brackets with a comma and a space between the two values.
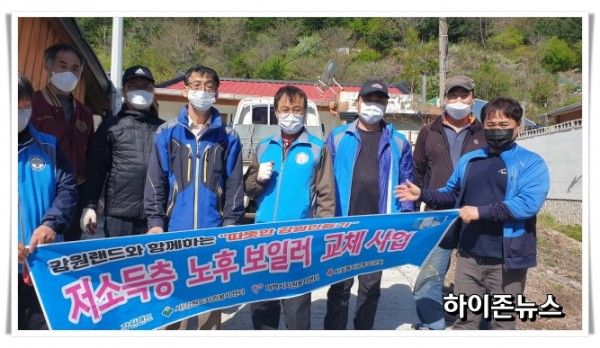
[268, 88]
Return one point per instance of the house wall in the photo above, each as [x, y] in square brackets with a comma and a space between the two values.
[561, 147]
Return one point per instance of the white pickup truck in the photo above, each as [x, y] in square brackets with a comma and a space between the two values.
[255, 120]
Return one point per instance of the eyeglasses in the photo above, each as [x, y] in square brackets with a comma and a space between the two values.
[206, 86]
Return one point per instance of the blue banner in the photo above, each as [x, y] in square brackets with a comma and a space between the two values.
[148, 281]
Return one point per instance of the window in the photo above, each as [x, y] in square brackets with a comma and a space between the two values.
[261, 114]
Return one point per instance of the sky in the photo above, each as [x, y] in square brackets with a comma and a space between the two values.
[463, 8]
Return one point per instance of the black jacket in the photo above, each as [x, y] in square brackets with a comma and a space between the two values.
[431, 158]
[120, 151]
[432, 163]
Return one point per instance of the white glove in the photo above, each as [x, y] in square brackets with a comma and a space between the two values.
[88, 221]
[265, 170]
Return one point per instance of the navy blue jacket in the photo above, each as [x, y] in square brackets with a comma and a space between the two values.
[526, 190]
[194, 184]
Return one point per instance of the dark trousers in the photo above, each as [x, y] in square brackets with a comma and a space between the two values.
[477, 276]
[296, 313]
[116, 227]
[74, 232]
[338, 298]
[30, 314]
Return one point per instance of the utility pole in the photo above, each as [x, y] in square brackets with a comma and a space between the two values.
[116, 62]
[424, 74]
[443, 61]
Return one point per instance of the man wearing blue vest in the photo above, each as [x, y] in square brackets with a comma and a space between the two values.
[305, 191]
[366, 154]
[47, 201]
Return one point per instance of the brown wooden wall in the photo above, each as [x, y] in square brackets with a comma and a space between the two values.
[35, 35]
[568, 116]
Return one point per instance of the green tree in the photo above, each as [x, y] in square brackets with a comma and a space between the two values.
[558, 56]
[98, 32]
[491, 82]
[314, 24]
[568, 29]
[463, 29]
[366, 55]
[308, 46]
[273, 68]
[412, 59]
[543, 90]
[509, 38]
[380, 35]
[578, 49]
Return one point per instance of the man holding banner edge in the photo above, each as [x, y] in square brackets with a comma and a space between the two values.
[500, 189]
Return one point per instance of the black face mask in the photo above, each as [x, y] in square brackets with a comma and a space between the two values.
[499, 139]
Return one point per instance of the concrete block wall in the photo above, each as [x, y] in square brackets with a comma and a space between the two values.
[561, 147]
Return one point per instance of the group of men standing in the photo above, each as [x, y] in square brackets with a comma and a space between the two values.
[186, 174]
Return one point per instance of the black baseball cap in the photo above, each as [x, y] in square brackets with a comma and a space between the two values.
[373, 86]
[137, 71]
[459, 81]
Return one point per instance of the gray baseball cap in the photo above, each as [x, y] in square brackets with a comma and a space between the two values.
[459, 81]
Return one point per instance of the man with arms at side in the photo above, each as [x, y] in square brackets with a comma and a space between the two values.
[370, 159]
[119, 159]
[57, 112]
[194, 175]
[438, 148]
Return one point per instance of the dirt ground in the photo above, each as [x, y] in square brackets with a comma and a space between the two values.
[559, 273]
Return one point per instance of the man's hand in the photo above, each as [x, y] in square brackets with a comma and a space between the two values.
[408, 192]
[42, 235]
[468, 214]
[100, 207]
[265, 170]
[88, 221]
[23, 253]
[155, 230]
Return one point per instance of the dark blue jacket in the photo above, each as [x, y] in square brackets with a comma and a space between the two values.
[194, 184]
[527, 186]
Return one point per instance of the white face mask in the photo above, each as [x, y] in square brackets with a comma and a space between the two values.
[458, 111]
[290, 123]
[65, 81]
[140, 99]
[24, 116]
[200, 100]
[371, 113]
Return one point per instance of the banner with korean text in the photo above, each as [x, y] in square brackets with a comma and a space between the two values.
[148, 281]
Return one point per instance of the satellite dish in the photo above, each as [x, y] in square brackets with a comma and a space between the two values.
[330, 69]
[328, 75]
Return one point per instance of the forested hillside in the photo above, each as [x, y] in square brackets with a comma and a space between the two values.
[535, 60]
